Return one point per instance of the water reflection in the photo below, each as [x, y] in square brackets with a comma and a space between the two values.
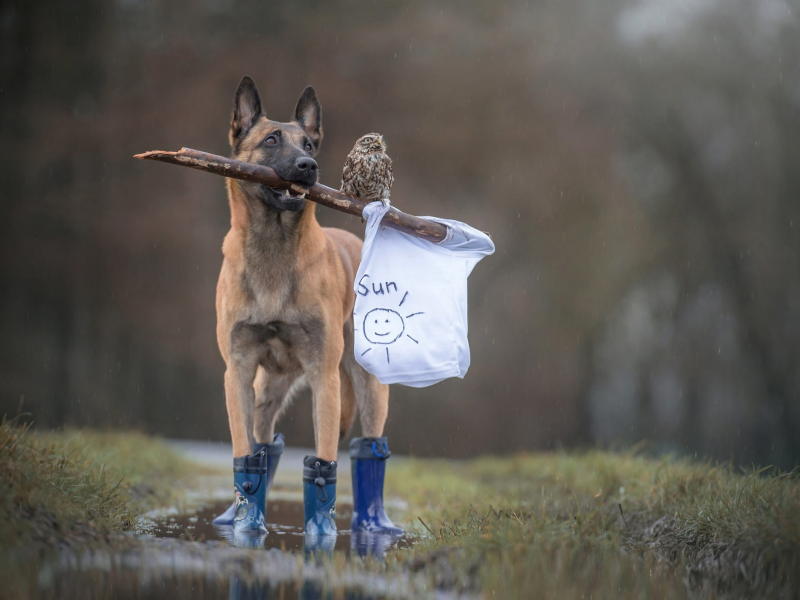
[172, 569]
[241, 588]
[285, 532]
[186, 556]
[366, 544]
[285, 527]
[319, 545]
[241, 539]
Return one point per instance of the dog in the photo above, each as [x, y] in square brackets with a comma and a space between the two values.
[285, 292]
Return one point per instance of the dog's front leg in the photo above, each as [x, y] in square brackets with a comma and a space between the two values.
[319, 472]
[325, 389]
[240, 400]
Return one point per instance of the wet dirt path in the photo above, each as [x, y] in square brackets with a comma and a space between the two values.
[179, 553]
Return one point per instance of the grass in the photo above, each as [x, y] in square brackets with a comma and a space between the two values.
[152, 475]
[79, 486]
[549, 525]
[602, 525]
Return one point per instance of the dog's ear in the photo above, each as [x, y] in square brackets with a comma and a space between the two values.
[246, 109]
[308, 114]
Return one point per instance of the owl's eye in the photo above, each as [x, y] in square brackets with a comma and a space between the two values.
[309, 148]
[271, 140]
[368, 140]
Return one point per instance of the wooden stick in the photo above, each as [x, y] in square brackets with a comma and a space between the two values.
[321, 194]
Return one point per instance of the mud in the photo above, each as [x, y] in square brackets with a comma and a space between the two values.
[185, 556]
[285, 531]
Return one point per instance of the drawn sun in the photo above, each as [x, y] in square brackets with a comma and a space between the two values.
[385, 326]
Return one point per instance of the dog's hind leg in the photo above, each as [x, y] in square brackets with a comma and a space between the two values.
[369, 454]
[348, 414]
[273, 393]
[372, 398]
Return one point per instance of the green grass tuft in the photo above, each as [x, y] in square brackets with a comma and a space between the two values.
[599, 524]
[79, 486]
[51, 494]
[557, 525]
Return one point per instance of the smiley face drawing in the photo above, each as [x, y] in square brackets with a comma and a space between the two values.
[386, 326]
[383, 326]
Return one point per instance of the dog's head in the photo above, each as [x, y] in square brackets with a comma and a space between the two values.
[288, 148]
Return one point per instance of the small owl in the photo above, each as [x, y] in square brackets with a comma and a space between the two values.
[367, 172]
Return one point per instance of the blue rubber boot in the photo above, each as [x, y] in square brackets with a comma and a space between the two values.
[250, 490]
[319, 496]
[274, 451]
[368, 458]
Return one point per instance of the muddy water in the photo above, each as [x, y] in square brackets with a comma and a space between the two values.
[285, 531]
[285, 527]
[186, 556]
[176, 571]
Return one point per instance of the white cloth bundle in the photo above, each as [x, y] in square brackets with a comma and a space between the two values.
[410, 315]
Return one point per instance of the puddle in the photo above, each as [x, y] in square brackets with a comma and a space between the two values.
[125, 585]
[285, 525]
[171, 569]
[178, 556]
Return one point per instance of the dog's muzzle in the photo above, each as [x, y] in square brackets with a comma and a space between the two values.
[293, 194]
[291, 200]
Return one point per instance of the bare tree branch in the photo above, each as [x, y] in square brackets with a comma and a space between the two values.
[321, 194]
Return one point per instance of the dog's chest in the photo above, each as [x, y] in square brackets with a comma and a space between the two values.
[271, 301]
[270, 287]
[269, 320]
[279, 346]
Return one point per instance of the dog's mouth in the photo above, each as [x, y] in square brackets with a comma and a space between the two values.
[294, 195]
[291, 200]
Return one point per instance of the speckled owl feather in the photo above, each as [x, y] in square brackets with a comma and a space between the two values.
[367, 172]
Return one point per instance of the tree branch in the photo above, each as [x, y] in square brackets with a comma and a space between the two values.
[321, 194]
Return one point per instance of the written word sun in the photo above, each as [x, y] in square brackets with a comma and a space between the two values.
[383, 327]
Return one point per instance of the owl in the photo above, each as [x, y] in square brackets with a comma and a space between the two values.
[367, 172]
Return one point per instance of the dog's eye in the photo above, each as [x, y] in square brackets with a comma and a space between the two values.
[271, 140]
[309, 148]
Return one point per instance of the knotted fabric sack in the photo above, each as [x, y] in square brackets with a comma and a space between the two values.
[410, 315]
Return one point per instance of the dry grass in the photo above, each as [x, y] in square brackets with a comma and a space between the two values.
[78, 486]
[559, 525]
[602, 525]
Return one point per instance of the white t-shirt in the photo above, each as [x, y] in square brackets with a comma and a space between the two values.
[410, 315]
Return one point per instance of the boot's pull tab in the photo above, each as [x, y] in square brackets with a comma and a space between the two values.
[247, 486]
[386, 454]
[320, 483]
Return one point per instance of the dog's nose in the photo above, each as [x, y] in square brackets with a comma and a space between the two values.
[307, 166]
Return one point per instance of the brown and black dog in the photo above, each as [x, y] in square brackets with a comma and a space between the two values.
[285, 293]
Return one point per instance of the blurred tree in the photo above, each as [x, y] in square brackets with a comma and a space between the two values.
[634, 162]
[711, 106]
